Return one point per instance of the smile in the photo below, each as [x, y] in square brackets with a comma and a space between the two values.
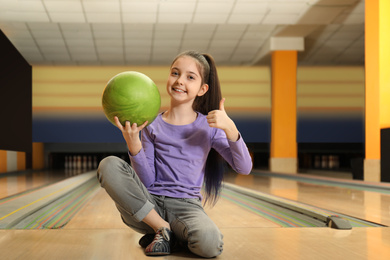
[179, 90]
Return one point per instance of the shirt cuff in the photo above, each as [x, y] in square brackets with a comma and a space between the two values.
[238, 139]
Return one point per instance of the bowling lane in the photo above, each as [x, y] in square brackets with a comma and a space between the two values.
[240, 243]
[97, 232]
[293, 190]
[11, 184]
[100, 212]
[100, 220]
[354, 201]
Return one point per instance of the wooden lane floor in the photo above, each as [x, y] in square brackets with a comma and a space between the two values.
[356, 202]
[240, 243]
[225, 214]
[97, 232]
[11, 184]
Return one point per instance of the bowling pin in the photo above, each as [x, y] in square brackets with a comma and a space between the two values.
[89, 162]
[331, 162]
[74, 162]
[85, 163]
[324, 162]
[336, 162]
[317, 161]
[95, 162]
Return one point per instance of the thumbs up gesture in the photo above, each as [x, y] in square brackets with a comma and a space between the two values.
[219, 119]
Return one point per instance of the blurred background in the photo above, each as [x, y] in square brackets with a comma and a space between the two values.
[57, 56]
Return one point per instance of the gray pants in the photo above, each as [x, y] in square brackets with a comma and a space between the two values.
[186, 217]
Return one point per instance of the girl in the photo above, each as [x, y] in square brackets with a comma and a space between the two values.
[160, 193]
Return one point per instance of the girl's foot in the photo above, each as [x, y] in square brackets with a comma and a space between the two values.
[161, 244]
[146, 240]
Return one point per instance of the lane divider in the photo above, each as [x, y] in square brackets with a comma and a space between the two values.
[23, 206]
[327, 217]
[38, 200]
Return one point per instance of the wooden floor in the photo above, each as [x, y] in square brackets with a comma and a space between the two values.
[15, 183]
[97, 232]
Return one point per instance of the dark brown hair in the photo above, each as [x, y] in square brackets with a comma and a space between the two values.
[214, 169]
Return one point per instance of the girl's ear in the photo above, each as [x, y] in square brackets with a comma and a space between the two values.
[203, 89]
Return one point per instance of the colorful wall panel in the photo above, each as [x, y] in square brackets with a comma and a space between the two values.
[11, 161]
[330, 103]
[67, 102]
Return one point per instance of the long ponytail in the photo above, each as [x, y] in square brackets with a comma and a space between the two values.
[214, 168]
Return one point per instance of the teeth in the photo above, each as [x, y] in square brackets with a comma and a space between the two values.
[179, 90]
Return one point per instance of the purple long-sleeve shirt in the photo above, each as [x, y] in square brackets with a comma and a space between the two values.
[172, 161]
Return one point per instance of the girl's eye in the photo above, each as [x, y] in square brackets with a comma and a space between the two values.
[174, 73]
[191, 77]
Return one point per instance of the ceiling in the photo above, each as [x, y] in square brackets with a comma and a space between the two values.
[153, 32]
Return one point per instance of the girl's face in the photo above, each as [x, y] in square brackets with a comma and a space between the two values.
[185, 81]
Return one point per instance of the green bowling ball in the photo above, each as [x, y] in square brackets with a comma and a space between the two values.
[131, 96]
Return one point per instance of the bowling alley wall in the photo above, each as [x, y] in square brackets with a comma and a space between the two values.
[15, 108]
[68, 117]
